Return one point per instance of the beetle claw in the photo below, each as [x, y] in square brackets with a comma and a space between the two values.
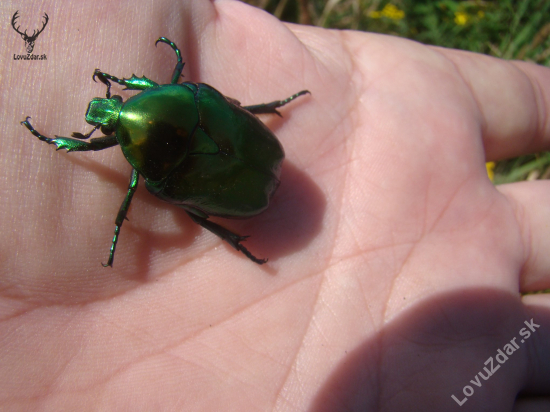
[245, 251]
[249, 255]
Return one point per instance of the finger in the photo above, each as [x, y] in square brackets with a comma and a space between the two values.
[538, 359]
[530, 201]
[512, 98]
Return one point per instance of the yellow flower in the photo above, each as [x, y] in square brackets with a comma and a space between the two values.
[490, 170]
[461, 18]
[390, 11]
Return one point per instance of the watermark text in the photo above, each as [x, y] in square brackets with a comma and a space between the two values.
[501, 357]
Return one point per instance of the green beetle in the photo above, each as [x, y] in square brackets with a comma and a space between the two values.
[194, 147]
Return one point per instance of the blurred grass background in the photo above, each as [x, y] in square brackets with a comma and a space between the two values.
[507, 29]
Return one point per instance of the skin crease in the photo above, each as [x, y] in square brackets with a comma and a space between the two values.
[395, 265]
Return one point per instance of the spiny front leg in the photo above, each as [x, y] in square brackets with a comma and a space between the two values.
[272, 107]
[133, 83]
[134, 178]
[73, 145]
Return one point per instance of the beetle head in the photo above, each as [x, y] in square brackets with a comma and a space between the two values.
[104, 112]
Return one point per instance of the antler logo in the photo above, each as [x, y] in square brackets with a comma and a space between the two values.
[29, 40]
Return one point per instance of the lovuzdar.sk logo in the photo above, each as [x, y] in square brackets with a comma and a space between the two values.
[29, 40]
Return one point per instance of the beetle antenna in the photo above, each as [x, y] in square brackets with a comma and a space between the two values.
[87, 135]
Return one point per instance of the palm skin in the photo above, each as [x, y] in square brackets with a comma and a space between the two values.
[395, 265]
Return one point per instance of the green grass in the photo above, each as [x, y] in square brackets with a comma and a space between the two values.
[506, 29]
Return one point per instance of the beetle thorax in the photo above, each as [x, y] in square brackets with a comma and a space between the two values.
[104, 112]
[154, 129]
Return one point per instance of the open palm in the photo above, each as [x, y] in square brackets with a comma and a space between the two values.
[395, 266]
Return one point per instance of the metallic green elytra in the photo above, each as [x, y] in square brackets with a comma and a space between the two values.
[195, 148]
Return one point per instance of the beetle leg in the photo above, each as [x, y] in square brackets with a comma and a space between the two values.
[272, 107]
[73, 145]
[133, 83]
[230, 237]
[179, 65]
[103, 79]
[134, 178]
